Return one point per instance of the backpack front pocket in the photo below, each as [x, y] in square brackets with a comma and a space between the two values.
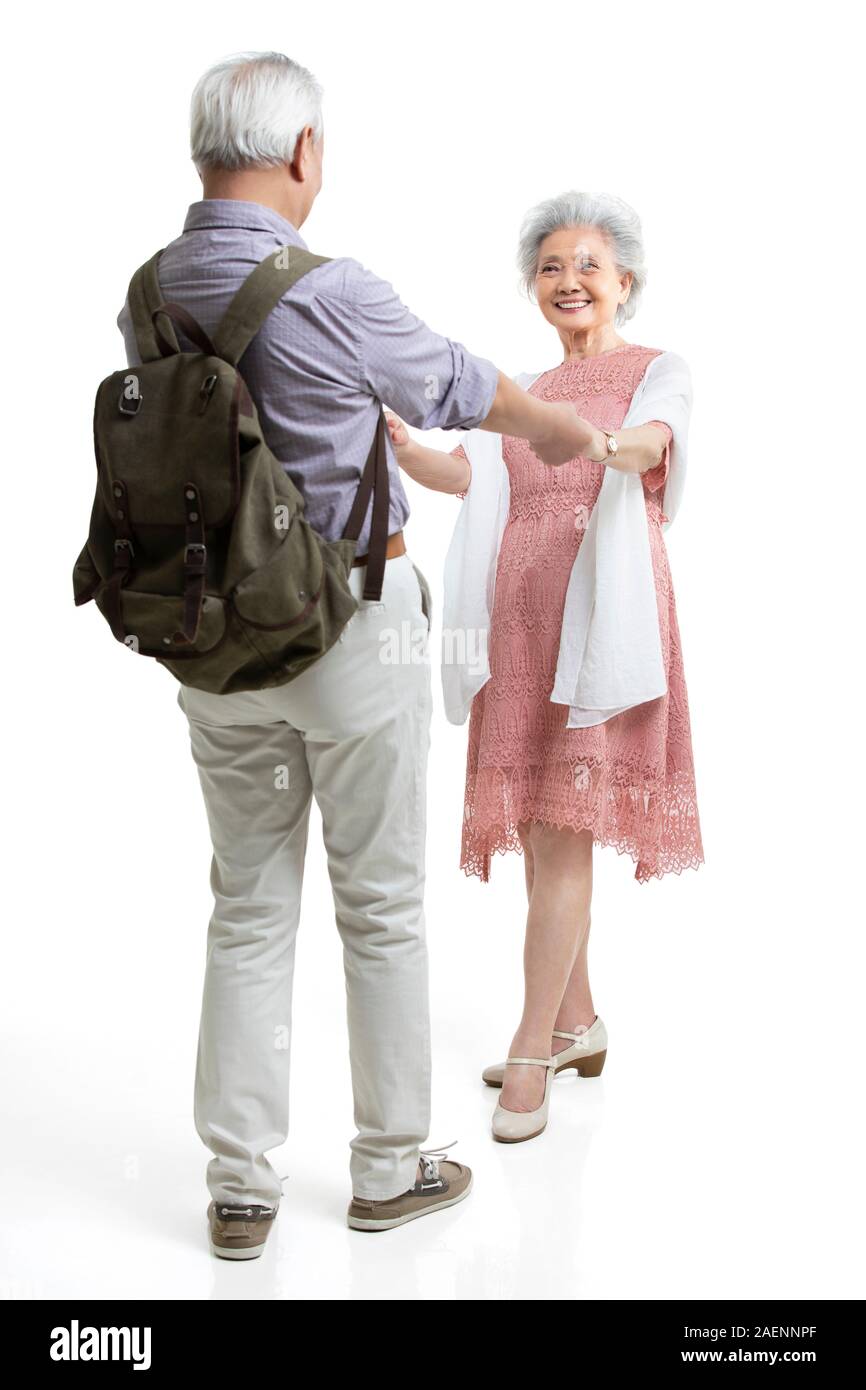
[283, 592]
[294, 607]
[153, 622]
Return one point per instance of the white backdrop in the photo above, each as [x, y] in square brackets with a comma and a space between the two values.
[721, 1153]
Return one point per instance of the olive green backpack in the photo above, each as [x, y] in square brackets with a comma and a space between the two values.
[199, 554]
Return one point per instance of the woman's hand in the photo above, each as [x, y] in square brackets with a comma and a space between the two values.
[430, 467]
[399, 434]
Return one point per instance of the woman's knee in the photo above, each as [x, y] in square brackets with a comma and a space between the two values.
[554, 844]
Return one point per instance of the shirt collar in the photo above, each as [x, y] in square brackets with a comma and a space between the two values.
[233, 212]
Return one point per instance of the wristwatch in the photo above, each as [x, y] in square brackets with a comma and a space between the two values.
[612, 447]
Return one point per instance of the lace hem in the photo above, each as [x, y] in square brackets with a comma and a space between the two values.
[658, 829]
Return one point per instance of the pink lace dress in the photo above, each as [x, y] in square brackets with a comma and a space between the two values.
[630, 780]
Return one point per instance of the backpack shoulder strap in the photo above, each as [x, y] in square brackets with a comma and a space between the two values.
[144, 297]
[261, 292]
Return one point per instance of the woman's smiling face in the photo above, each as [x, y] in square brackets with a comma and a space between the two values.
[578, 287]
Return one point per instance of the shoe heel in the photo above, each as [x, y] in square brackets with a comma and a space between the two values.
[590, 1066]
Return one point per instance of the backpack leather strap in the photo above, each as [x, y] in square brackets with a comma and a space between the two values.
[260, 293]
[144, 297]
[124, 553]
[194, 563]
[374, 478]
[185, 321]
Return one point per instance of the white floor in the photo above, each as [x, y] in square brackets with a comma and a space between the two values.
[719, 1155]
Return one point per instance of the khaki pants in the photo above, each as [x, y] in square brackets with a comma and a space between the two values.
[353, 731]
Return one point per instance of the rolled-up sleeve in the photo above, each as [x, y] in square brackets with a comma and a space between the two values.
[432, 382]
[656, 477]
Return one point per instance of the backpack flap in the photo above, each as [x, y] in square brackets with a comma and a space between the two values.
[163, 424]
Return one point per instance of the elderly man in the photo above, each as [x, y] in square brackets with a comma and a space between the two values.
[351, 730]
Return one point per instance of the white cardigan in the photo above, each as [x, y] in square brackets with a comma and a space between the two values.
[610, 655]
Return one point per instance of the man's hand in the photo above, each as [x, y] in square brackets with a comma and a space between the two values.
[555, 430]
[567, 435]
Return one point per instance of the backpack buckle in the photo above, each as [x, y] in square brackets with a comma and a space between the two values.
[195, 558]
[123, 548]
[130, 396]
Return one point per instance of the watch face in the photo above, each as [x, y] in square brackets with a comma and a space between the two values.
[612, 445]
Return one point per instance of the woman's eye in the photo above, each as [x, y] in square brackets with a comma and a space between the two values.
[584, 265]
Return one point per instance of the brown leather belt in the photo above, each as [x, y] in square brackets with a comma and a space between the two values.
[396, 546]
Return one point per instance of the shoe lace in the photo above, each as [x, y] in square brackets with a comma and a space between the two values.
[260, 1211]
[431, 1158]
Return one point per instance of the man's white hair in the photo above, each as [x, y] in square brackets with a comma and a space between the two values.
[249, 109]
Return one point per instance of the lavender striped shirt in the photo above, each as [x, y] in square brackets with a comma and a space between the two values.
[339, 342]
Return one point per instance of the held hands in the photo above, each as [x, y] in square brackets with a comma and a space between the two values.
[569, 436]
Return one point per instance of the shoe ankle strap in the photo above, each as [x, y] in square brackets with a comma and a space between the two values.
[532, 1061]
[575, 1037]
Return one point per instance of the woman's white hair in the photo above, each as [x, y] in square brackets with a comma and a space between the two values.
[249, 109]
[615, 219]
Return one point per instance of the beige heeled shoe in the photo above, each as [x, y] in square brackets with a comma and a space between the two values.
[513, 1126]
[585, 1056]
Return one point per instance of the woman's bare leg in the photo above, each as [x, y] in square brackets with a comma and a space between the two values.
[576, 1007]
[558, 869]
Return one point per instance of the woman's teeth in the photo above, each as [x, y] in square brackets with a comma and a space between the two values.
[572, 306]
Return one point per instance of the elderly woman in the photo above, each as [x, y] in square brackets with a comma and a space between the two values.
[549, 773]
